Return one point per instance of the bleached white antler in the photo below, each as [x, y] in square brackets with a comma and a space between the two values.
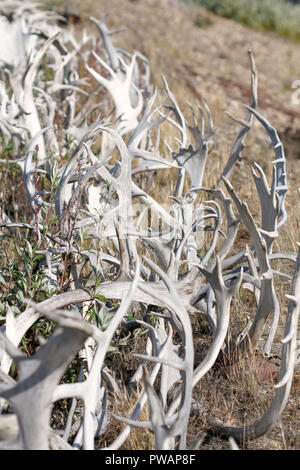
[126, 96]
[239, 143]
[38, 378]
[288, 359]
[280, 181]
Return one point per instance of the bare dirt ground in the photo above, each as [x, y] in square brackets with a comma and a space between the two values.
[201, 53]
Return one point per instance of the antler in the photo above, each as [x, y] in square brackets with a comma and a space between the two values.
[288, 360]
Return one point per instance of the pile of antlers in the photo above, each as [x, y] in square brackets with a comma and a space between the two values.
[98, 194]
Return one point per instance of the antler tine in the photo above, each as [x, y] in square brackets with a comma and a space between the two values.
[109, 47]
[223, 296]
[178, 114]
[281, 180]
[172, 302]
[269, 207]
[163, 434]
[239, 143]
[288, 358]
[213, 245]
[267, 295]
[232, 222]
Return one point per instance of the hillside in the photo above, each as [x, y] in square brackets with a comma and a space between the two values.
[201, 53]
[192, 46]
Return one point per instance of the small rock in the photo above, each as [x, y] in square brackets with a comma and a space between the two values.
[267, 372]
[71, 12]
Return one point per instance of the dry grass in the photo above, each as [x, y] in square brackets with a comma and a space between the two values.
[139, 439]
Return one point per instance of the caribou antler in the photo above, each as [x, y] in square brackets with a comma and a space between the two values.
[92, 221]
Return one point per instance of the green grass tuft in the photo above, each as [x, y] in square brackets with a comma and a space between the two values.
[264, 15]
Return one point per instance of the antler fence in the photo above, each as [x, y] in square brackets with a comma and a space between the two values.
[89, 227]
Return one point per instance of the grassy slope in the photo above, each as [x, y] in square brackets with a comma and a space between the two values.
[264, 15]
